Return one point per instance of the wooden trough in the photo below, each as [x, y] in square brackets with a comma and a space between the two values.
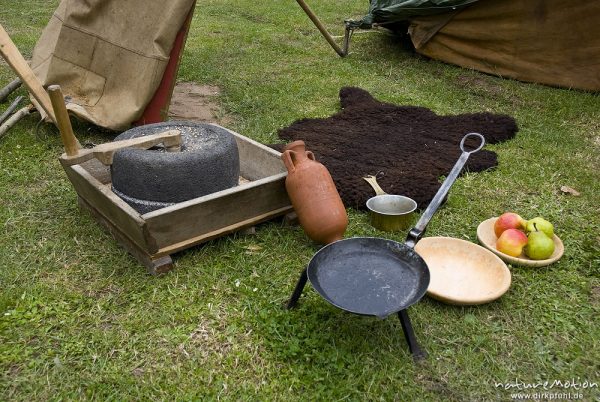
[154, 236]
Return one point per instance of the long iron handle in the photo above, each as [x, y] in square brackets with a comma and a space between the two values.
[415, 233]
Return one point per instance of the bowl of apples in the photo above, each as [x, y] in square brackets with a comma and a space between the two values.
[518, 241]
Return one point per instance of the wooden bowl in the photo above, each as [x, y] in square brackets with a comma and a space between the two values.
[462, 272]
[487, 238]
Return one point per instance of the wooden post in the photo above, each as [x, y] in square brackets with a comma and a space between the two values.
[62, 121]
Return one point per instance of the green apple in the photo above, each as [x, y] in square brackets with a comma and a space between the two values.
[539, 246]
[541, 224]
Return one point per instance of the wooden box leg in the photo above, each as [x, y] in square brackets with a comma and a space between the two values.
[154, 264]
[291, 219]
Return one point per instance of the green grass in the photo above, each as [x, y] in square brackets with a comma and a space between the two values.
[80, 318]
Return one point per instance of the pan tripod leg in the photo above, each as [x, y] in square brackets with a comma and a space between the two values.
[409, 334]
[298, 290]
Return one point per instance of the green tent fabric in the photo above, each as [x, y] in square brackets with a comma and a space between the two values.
[384, 12]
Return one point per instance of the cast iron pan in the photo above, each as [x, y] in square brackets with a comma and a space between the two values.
[369, 276]
[379, 277]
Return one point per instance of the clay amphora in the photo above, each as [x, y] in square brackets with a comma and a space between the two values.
[313, 194]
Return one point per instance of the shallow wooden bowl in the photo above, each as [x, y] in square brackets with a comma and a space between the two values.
[462, 272]
[487, 238]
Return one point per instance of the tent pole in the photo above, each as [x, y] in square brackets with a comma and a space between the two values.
[321, 28]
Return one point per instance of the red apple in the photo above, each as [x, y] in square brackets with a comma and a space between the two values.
[511, 242]
[508, 220]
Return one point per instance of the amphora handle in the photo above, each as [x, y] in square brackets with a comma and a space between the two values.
[291, 158]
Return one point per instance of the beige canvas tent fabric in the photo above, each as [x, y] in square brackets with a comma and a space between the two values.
[108, 56]
[554, 42]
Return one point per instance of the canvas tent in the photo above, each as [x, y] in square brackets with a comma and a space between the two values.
[554, 42]
[109, 56]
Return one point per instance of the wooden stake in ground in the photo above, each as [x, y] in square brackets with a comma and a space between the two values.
[15, 60]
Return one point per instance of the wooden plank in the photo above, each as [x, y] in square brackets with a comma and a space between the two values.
[98, 170]
[248, 223]
[257, 161]
[154, 264]
[111, 207]
[201, 216]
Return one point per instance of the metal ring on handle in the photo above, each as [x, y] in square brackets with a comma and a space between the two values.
[462, 142]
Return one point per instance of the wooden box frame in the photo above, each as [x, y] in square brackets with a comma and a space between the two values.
[154, 236]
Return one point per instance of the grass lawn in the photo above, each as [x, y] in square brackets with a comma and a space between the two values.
[81, 319]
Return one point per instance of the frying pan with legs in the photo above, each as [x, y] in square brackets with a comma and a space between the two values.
[375, 276]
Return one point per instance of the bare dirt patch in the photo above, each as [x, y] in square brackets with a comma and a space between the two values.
[478, 84]
[481, 86]
[194, 102]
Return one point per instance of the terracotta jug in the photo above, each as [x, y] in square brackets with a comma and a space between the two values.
[313, 194]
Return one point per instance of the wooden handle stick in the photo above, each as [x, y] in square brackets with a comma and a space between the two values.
[16, 61]
[62, 121]
[105, 152]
